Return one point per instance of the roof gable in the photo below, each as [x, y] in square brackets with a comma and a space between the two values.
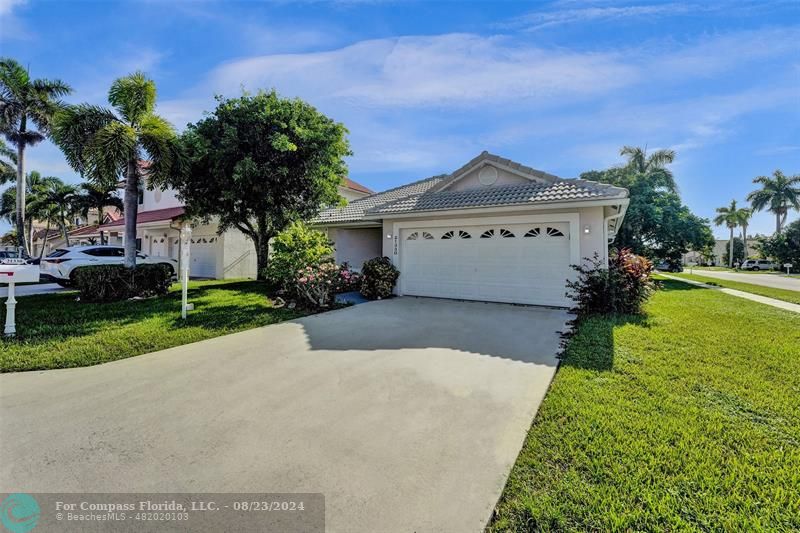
[489, 170]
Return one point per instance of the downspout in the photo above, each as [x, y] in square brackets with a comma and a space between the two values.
[622, 208]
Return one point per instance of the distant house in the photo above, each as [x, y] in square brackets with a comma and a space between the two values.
[159, 221]
[721, 247]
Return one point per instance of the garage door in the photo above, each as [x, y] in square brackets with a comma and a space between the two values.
[203, 256]
[515, 263]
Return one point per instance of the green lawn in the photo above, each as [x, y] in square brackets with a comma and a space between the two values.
[55, 331]
[779, 294]
[685, 419]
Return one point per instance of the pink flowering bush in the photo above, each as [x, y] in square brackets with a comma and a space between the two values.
[316, 285]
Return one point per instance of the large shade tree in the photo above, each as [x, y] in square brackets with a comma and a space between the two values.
[27, 107]
[106, 144]
[260, 162]
[731, 216]
[777, 194]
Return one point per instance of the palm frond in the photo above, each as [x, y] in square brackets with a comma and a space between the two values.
[73, 129]
[110, 149]
[134, 96]
[159, 140]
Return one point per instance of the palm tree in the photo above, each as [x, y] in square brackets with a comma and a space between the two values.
[60, 200]
[104, 143]
[777, 194]
[97, 197]
[8, 164]
[744, 221]
[35, 186]
[654, 165]
[26, 102]
[731, 217]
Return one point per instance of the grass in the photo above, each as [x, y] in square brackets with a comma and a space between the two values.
[770, 292]
[685, 419]
[55, 331]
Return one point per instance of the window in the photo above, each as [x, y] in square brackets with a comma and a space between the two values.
[488, 234]
[427, 236]
[96, 252]
[506, 234]
[464, 235]
[553, 232]
[413, 236]
[138, 245]
[57, 253]
[448, 235]
[534, 232]
[141, 194]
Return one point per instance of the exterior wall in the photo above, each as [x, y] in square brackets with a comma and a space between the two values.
[470, 180]
[355, 245]
[158, 199]
[238, 256]
[589, 242]
[350, 194]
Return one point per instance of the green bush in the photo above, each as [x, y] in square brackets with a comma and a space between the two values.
[112, 283]
[623, 287]
[294, 249]
[378, 277]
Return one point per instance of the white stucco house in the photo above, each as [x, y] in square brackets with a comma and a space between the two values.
[493, 230]
[159, 221]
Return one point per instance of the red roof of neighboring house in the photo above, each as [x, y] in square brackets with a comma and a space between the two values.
[113, 214]
[170, 213]
[84, 230]
[39, 234]
[350, 184]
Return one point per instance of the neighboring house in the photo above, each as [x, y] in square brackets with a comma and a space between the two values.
[159, 221]
[79, 236]
[721, 247]
[493, 230]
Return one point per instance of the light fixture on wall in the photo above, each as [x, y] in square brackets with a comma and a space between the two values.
[389, 236]
[587, 229]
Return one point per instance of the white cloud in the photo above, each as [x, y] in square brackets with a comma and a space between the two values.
[444, 70]
[547, 18]
[7, 6]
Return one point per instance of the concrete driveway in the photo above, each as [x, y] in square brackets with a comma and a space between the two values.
[407, 414]
[767, 280]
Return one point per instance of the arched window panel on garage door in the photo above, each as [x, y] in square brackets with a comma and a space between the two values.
[555, 232]
[533, 232]
[413, 237]
[506, 233]
[488, 234]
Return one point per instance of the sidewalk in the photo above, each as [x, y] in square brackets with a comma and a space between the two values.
[741, 294]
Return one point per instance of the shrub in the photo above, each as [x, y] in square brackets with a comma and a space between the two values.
[295, 248]
[315, 284]
[623, 287]
[111, 283]
[348, 280]
[378, 277]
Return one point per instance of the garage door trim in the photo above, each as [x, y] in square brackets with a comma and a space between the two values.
[573, 219]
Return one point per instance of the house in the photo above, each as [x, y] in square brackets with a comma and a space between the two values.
[83, 234]
[720, 250]
[493, 230]
[159, 221]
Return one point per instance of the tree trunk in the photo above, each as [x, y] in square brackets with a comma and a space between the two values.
[44, 242]
[64, 232]
[100, 223]
[744, 239]
[262, 256]
[29, 223]
[730, 257]
[21, 242]
[131, 201]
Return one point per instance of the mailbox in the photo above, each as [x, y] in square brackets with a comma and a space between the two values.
[19, 273]
[11, 275]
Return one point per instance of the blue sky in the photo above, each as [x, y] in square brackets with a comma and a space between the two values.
[425, 86]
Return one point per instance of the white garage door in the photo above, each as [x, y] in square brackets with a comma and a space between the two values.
[516, 263]
[203, 256]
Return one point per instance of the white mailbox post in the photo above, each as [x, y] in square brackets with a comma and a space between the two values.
[186, 257]
[12, 274]
[788, 267]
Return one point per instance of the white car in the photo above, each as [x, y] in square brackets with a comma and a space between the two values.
[61, 263]
[758, 264]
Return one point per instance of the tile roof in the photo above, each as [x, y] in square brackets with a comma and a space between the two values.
[155, 215]
[350, 184]
[431, 194]
[84, 230]
[355, 210]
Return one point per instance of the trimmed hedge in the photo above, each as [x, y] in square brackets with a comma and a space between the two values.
[378, 277]
[112, 283]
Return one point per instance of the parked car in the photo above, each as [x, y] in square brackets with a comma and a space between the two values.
[13, 254]
[758, 264]
[61, 264]
[666, 266]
